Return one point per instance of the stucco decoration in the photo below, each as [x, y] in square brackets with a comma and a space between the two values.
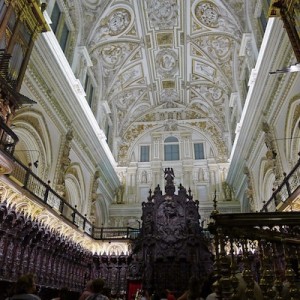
[214, 17]
[116, 23]
[169, 96]
[171, 125]
[114, 54]
[208, 14]
[167, 62]
[163, 14]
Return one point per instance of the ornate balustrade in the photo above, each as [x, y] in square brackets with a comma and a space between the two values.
[25, 177]
[263, 247]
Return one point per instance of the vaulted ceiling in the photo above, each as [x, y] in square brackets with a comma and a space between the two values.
[165, 63]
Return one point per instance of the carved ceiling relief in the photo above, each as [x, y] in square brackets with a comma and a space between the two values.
[113, 55]
[162, 14]
[138, 73]
[116, 23]
[166, 62]
[169, 96]
[211, 92]
[207, 13]
[128, 107]
[213, 17]
[218, 49]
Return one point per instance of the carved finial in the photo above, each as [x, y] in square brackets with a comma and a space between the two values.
[150, 195]
[215, 211]
[190, 196]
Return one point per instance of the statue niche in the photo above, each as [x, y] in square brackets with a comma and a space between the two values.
[171, 245]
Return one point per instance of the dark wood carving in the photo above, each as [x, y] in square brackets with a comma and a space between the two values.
[171, 247]
[28, 246]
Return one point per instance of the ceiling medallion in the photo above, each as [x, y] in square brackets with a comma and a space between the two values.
[163, 13]
[118, 21]
[166, 62]
[207, 13]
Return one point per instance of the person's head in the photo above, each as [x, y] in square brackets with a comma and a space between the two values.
[88, 286]
[97, 285]
[25, 285]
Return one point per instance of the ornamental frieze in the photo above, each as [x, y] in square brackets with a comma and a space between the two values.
[134, 131]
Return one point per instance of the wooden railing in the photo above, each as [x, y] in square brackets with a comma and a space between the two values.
[285, 190]
[8, 139]
[26, 178]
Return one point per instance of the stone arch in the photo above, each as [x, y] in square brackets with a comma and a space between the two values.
[292, 131]
[267, 186]
[99, 208]
[75, 187]
[34, 141]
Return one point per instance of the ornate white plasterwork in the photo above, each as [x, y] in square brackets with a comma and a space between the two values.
[208, 14]
[169, 96]
[162, 13]
[216, 18]
[167, 62]
[115, 24]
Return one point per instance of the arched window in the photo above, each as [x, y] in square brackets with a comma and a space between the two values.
[171, 148]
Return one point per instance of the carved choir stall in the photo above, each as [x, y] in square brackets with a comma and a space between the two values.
[171, 246]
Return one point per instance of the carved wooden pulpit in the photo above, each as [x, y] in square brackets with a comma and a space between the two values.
[171, 246]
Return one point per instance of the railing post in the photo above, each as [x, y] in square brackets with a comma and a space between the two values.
[84, 222]
[74, 214]
[61, 206]
[26, 177]
[288, 187]
[93, 230]
[47, 191]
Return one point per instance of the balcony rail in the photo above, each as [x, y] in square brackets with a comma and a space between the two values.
[26, 178]
[285, 190]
